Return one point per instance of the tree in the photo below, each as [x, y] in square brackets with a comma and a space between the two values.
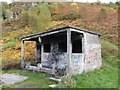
[4, 11]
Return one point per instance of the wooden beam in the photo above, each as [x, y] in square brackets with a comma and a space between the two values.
[22, 54]
[69, 51]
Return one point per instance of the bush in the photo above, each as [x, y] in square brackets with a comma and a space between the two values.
[113, 5]
[102, 14]
[25, 18]
[109, 53]
[68, 82]
[38, 17]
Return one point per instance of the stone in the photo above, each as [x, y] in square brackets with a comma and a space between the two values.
[52, 86]
[56, 80]
[12, 78]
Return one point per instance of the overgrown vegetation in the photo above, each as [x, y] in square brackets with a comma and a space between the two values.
[37, 17]
[99, 17]
[102, 14]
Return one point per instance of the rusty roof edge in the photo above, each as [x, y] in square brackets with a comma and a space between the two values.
[63, 27]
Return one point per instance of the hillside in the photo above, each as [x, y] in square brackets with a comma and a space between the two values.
[99, 18]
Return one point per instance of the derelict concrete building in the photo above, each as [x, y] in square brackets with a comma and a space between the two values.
[68, 50]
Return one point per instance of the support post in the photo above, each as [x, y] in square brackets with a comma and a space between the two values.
[42, 52]
[38, 52]
[69, 51]
[22, 54]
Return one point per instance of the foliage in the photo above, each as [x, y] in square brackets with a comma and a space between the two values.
[72, 11]
[113, 5]
[109, 53]
[102, 14]
[39, 17]
[98, 2]
[25, 18]
[68, 82]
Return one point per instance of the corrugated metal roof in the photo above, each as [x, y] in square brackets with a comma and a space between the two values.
[60, 28]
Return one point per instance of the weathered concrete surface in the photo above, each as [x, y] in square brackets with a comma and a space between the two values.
[54, 79]
[78, 63]
[52, 86]
[12, 78]
[93, 58]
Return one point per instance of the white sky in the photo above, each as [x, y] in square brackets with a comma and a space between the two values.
[103, 1]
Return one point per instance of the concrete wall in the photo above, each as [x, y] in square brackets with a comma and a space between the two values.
[92, 52]
[77, 63]
[88, 60]
[48, 59]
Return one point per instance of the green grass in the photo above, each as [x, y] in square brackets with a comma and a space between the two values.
[106, 77]
[34, 78]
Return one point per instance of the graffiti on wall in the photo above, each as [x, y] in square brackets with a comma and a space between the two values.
[77, 61]
[92, 52]
[48, 58]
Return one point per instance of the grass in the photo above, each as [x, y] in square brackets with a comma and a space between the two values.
[34, 78]
[106, 77]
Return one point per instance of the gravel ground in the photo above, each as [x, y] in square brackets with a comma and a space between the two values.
[12, 78]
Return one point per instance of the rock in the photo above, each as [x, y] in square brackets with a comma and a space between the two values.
[56, 80]
[1, 82]
[33, 68]
[12, 78]
[39, 65]
[52, 86]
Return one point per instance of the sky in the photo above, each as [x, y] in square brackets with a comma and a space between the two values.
[103, 1]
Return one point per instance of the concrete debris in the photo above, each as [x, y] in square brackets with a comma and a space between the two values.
[12, 78]
[52, 86]
[56, 80]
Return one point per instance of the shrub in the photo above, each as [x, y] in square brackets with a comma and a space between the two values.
[113, 5]
[25, 18]
[102, 14]
[68, 82]
[38, 17]
[98, 2]
[109, 53]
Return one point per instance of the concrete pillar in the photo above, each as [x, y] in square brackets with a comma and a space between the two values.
[42, 52]
[38, 52]
[69, 52]
[22, 54]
